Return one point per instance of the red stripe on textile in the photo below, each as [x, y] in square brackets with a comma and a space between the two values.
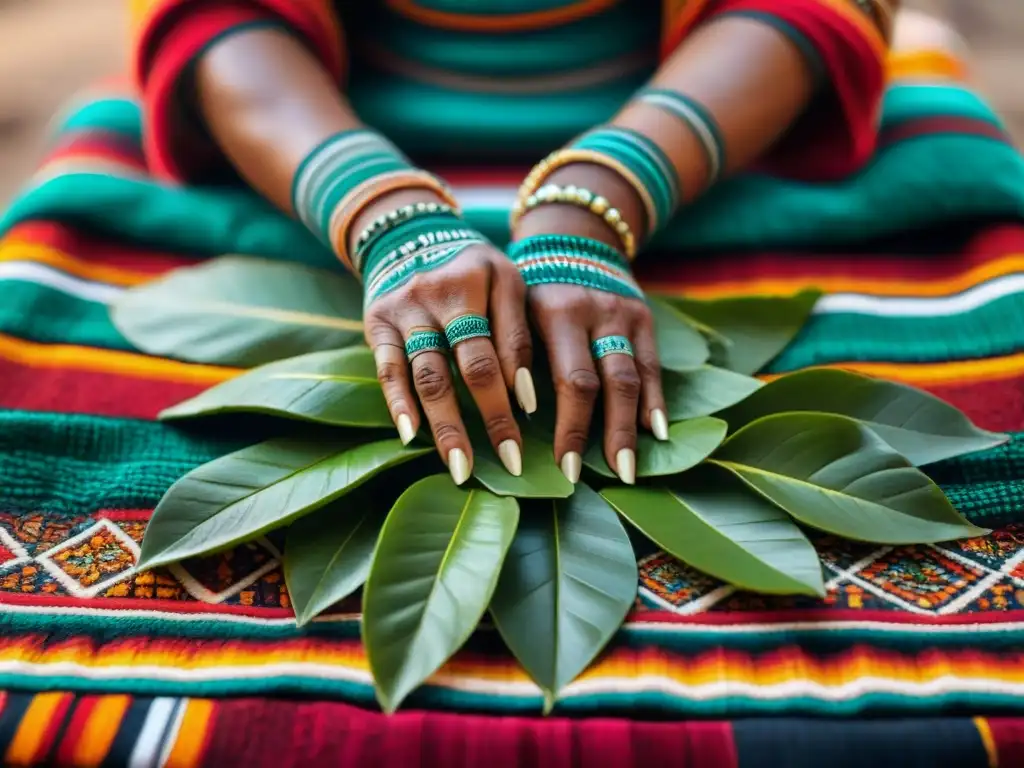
[827, 143]
[68, 390]
[997, 405]
[1001, 240]
[96, 250]
[262, 733]
[928, 126]
[1008, 735]
[142, 604]
[712, 619]
[53, 728]
[97, 146]
[69, 743]
[125, 515]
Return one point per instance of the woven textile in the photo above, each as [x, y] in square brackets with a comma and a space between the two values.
[181, 666]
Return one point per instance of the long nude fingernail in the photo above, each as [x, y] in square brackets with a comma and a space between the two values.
[406, 431]
[572, 466]
[659, 424]
[625, 465]
[511, 457]
[526, 393]
[458, 465]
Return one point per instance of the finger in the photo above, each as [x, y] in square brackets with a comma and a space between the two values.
[621, 383]
[432, 379]
[652, 399]
[512, 339]
[478, 363]
[393, 375]
[576, 389]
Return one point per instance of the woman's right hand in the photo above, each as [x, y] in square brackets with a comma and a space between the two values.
[479, 281]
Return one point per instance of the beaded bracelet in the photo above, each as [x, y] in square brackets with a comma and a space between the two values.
[358, 199]
[584, 198]
[390, 221]
[645, 159]
[346, 172]
[698, 119]
[573, 260]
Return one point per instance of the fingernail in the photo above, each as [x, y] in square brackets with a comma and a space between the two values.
[625, 464]
[511, 457]
[659, 424]
[458, 465]
[526, 394]
[572, 466]
[406, 432]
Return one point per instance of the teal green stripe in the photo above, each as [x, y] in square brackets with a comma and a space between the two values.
[903, 102]
[77, 464]
[121, 116]
[197, 221]
[48, 316]
[434, 697]
[994, 329]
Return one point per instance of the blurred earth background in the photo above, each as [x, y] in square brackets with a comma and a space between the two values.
[51, 48]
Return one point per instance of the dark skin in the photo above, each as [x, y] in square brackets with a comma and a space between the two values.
[268, 102]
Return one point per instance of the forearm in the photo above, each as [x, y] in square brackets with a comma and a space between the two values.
[722, 102]
[268, 103]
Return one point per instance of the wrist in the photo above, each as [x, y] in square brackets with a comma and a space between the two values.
[386, 203]
[563, 218]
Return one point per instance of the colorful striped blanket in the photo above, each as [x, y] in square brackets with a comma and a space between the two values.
[190, 665]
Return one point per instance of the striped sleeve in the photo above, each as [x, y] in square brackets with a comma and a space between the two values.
[168, 37]
[838, 132]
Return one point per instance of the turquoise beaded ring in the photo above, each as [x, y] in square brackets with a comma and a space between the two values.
[610, 345]
[466, 327]
[425, 341]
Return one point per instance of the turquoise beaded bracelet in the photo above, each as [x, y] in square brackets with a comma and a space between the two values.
[573, 260]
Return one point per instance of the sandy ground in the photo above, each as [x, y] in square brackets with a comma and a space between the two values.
[51, 48]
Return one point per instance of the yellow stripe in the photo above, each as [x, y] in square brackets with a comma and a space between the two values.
[24, 250]
[100, 730]
[925, 63]
[32, 729]
[110, 361]
[191, 736]
[910, 288]
[985, 732]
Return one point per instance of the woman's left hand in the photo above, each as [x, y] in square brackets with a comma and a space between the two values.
[569, 319]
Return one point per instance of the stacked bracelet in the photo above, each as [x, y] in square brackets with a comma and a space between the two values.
[573, 260]
[698, 119]
[647, 162]
[385, 223]
[584, 198]
[345, 173]
[409, 243]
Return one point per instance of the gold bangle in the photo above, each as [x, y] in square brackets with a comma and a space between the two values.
[356, 201]
[563, 157]
[584, 198]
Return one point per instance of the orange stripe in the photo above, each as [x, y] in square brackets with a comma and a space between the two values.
[932, 374]
[191, 736]
[512, 22]
[109, 361]
[25, 250]
[33, 729]
[100, 730]
[985, 733]
[917, 64]
[943, 286]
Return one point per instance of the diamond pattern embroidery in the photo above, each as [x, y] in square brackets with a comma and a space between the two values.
[92, 561]
[924, 578]
[215, 578]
